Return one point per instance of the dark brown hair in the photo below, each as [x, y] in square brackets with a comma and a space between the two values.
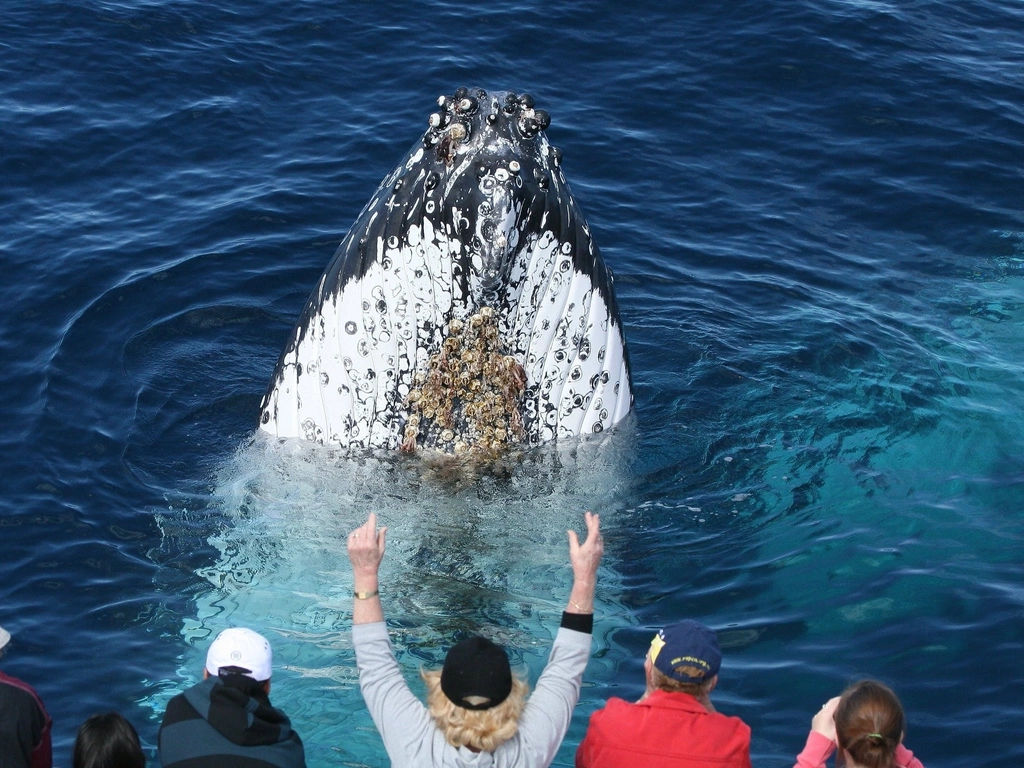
[870, 724]
[107, 741]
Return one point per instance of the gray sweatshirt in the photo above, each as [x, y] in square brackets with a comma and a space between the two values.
[412, 739]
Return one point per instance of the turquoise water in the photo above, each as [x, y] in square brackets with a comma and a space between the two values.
[813, 211]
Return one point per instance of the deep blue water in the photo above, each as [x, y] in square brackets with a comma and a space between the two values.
[815, 214]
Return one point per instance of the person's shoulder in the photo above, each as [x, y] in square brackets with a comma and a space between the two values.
[15, 689]
[11, 681]
[732, 726]
[616, 702]
[179, 709]
[614, 707]
[679, 704]
[620, 703]
[736, 721]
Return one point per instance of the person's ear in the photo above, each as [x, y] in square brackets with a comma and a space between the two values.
[206, 673]
[266, 686]
[648, 673]
[712, 683]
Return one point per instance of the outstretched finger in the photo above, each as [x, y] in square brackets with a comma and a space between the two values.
[574, 542]
[367, 532]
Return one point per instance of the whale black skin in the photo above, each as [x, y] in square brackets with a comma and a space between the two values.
[477, 215]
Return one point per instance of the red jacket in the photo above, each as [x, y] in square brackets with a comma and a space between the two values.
[665, 730]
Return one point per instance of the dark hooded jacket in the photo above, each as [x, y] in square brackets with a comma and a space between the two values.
[227, 722]
[24, 726]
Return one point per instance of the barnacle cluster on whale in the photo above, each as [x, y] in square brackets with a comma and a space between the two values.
[469, 396]
[467, 308]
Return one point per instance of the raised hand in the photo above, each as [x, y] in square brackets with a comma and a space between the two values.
[366, 547]
[585, 559]
[365, 550]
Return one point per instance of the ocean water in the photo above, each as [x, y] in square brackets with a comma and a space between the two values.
[815, 214]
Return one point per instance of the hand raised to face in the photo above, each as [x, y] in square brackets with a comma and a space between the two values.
[824, 722]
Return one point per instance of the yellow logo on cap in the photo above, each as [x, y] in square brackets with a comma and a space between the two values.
[692, 660]
[656, 645]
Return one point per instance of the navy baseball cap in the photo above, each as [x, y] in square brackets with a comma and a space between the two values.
[687, 652]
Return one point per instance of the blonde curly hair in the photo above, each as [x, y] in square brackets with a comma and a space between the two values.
[480, 729]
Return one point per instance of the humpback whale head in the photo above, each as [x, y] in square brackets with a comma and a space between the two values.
[496, 162]
[468, 306]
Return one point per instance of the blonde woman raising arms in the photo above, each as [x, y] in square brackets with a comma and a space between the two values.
[479, 713]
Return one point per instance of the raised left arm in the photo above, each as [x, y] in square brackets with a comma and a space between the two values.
[366, 546]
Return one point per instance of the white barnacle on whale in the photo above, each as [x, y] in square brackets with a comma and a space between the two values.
[467, 308]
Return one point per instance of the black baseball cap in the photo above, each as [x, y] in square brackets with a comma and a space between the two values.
[476, 667]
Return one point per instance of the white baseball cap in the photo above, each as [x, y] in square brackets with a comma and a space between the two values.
[5, 638]
[242, 648]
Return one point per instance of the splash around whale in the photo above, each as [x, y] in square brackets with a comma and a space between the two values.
[468, 307]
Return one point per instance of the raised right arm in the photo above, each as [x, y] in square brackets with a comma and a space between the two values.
[549, 710]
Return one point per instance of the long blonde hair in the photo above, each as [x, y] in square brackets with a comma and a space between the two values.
[481, 729]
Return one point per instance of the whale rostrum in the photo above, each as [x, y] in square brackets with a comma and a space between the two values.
[468, 307]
